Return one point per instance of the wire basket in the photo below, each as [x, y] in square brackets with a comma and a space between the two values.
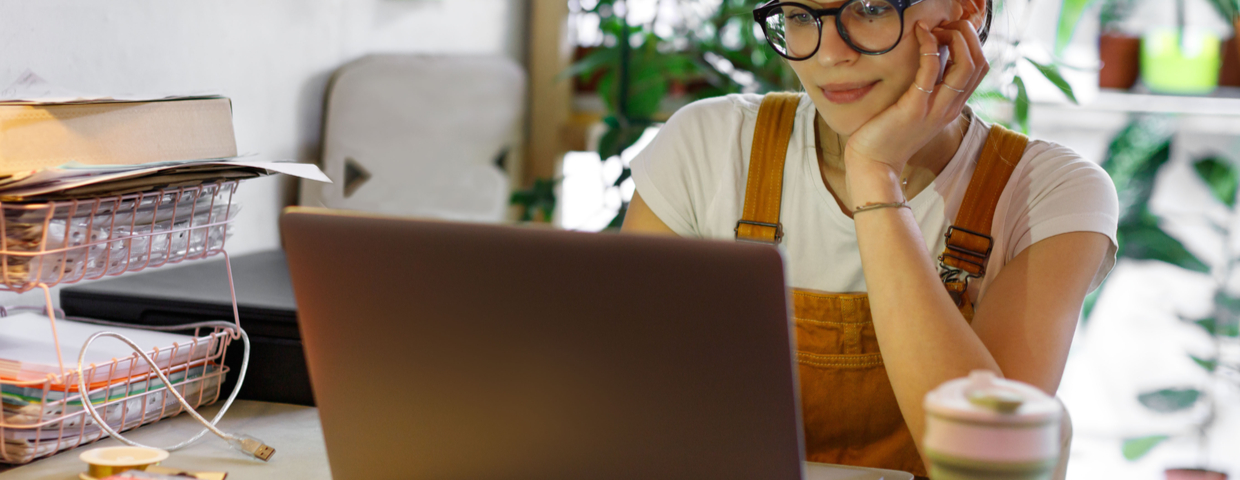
[42, 418]
[50, 243]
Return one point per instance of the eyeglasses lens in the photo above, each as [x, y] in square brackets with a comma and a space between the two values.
[871, 26]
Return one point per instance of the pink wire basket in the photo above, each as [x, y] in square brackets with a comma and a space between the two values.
[60, 242]
[41, 418]
[50, 243]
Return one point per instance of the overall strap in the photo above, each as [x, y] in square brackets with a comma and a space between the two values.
[765, 187]
[969, 240]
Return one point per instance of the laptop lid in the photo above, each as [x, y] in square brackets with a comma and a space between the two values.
[448, 350]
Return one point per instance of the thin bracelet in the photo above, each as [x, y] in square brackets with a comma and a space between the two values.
[876, 206]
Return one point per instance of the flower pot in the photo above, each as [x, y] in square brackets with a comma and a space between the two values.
[586, 85]
[1188, 65]
[1229, 72]
[1121, 60]
[1194, 474]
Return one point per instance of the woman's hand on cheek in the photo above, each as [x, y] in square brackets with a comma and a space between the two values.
[878, 151]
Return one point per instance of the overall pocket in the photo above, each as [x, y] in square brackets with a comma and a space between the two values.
[848, 408]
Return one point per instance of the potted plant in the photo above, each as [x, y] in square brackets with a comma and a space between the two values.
[1180, 60]
[1229, 10]
[1133, 162]
[1118, 50]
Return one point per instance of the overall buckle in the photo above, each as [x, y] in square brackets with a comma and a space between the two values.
[981, 265]
[779, 232]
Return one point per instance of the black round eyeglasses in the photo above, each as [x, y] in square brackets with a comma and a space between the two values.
[871, 27]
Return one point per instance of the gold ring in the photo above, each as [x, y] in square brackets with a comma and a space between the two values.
[915, 85]
[949, 87]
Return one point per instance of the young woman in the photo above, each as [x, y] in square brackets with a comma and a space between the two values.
[876, 162]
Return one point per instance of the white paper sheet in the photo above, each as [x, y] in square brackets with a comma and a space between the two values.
[64, 177]
[31, 89]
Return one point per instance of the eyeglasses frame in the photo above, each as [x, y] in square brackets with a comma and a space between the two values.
[761, 12]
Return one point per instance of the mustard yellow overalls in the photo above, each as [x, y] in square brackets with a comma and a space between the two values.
[848, 408]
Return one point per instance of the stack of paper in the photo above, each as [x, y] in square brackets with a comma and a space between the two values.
[39, 417]
[27, 350]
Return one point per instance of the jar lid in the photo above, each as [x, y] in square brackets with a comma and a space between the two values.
[983, 397]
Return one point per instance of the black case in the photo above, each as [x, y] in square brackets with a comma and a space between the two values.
[199, 291]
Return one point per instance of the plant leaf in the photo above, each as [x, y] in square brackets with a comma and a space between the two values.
[1142, 239]
[538, 200]
[618, 220]
[1135, 448]
[1209, 365]
[1227, 9]
[1214, 328]
[1170, 400]
[1051, 72]
[1069, 16]
[987, 96]
[1022, 105]
[624, 175]
[1220, 177]
[618, 138]
[1133, 160]
[601, 58]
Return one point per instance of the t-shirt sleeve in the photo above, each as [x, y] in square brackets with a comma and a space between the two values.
[1060, 192]
[674, 172]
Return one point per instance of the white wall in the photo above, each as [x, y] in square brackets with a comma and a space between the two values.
[272, 57]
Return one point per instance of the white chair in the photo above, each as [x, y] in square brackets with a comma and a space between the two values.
[420, 135]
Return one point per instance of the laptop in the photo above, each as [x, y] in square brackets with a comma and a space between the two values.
[447, 350]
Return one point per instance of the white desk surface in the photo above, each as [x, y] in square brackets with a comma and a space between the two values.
[297, 436]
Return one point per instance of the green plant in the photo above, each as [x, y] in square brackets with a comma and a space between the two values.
[536, 202]
[1229, 10]
[1006, 85]
[1135, 158]
[1113, 13]
[1070, 14]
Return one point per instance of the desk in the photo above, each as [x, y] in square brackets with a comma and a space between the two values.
[294, 431]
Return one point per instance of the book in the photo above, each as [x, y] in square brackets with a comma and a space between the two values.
[109, 132]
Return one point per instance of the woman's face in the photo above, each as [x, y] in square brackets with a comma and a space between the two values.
[850, 88]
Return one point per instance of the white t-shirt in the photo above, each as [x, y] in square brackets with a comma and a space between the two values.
[693, 176]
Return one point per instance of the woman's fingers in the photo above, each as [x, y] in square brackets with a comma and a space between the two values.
[923, 89]
[968, 66]
[969, 32]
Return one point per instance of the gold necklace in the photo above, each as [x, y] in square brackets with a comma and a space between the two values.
[839, 152]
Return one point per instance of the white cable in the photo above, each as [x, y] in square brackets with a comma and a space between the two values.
[244, 443]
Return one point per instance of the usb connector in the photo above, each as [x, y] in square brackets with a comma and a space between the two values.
[252, 447]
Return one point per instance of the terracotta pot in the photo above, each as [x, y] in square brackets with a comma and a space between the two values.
[1194, 474]
[1121, 60]
[588, 85]
[1229, 74]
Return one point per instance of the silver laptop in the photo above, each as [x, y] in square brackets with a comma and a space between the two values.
[444, 350]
